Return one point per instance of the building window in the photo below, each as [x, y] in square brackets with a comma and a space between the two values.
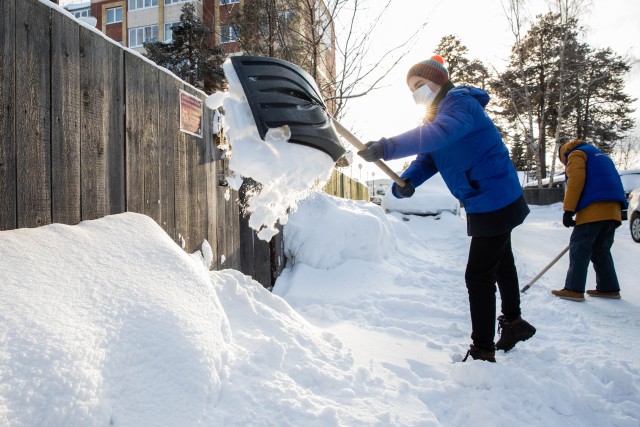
[168, 31]
[168, 2]
[139, 36]
[142, 4]
[114, 15]
[223, 2]
[228, 34]
[85, 13]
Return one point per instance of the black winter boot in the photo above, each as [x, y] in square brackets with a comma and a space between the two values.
[512, 332]
[479, 354]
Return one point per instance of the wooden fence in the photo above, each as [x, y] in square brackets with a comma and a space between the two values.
[543, 196]
[89, 129]
[341, 185]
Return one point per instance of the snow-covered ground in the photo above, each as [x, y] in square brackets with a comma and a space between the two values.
[109, 322]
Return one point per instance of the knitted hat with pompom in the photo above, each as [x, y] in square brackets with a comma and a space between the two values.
[432, 69]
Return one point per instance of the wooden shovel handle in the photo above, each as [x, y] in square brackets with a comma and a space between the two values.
[353, 140]
[544, 270]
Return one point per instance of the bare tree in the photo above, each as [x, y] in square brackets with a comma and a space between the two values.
[515, 11]
[627, 152]
[569, 11]
[327, 38]
[357, 75]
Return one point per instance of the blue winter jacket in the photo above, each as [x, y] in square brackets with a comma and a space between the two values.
[463, 144]
[602, 182]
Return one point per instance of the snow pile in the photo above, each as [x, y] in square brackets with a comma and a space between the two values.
[368, 237]
[284, 173]
[107, 323]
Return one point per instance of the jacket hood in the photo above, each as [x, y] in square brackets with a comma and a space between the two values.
[567, 147]
[480, 95]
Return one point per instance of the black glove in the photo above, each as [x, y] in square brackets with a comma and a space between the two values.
[567, 219]
[403, 192]
[374, 151]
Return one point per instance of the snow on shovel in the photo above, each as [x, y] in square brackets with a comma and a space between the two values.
[282, 94]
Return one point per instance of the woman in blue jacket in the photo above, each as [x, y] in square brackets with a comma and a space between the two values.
[461, 142]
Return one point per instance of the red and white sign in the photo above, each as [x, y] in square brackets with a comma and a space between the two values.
[190, 114]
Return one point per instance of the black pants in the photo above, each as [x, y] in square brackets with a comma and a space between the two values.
[490, 262]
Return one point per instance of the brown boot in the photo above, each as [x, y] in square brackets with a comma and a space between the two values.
[601, 294]
[512, 332]
[569, 294]
[479, 354]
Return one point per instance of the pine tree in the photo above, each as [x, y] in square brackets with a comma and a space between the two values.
[462, 70]
[603, 111]
[190, 55]
[571, 90]
[518, 154]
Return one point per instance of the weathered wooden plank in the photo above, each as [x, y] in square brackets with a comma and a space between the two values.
[142, 145]
[196, 179]
[278, 259]
[134, 134]
[102, 129]
[261, 261]
[151, 144]
[247, 248]
[33, 114]
[169, 137]
[65, 116]
[8, 191]
[210, 181]
[223, 222]
[233, 225]
[254, 253]
[219, 189]
[115, 161]
[181, 186]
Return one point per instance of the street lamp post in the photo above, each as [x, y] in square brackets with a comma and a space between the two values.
[360, 167]
[373, 179]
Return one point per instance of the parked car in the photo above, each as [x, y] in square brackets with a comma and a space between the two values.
[634, 214]
[630, 180]
[376, 199]
[431, 198]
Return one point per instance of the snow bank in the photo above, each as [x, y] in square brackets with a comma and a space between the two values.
[343, 230]
[109, 322]
[106, 322]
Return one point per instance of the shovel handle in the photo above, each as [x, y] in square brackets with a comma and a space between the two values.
[353, 140]
[544, 270]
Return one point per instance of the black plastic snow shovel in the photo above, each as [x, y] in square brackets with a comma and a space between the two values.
[281, 93]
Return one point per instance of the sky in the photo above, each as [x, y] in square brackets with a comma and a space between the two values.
[110, 322]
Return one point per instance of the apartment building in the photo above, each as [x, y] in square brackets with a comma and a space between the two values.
[80, 10]
[134, 22]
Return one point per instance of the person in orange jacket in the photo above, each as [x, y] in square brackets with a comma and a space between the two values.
[594, 194]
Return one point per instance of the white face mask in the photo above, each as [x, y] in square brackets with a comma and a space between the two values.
[424, 96]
